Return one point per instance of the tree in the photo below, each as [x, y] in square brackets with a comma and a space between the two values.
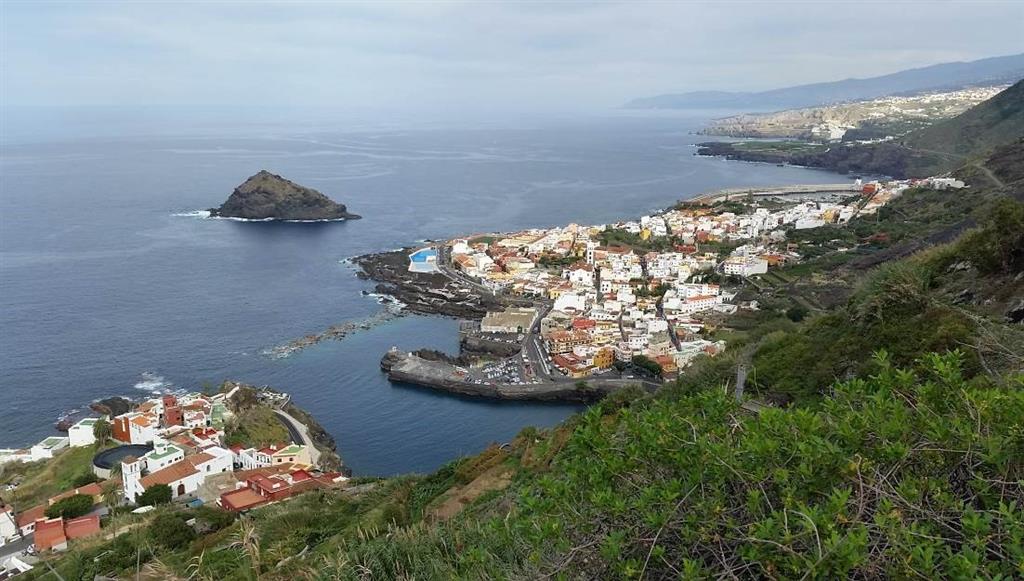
[101, 431]
[647, 364]
[796, 313]
[71, 507]
[171, 531]
[111, 495]
[154, 495]
[84, 479]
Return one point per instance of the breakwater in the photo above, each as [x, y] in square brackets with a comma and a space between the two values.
[409, 368]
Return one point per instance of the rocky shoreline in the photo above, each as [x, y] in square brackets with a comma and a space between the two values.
[423, 293]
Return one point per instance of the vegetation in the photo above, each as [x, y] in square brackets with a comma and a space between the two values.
[256, 426]
[647, 365]
[154, 495]
[73, 506]
[46, 478]
[101, 430]
[170, 531]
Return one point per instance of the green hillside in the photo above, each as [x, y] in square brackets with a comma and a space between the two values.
[976, 131]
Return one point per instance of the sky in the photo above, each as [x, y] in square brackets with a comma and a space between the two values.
[453, 55]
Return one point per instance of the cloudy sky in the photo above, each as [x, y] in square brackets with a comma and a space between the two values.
[503, 54]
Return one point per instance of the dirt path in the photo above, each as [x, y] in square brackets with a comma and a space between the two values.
[988, 173]
[497, 478]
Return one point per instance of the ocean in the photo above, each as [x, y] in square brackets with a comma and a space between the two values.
[111, 283]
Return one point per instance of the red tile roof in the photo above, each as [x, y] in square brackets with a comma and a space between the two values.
[49, 533]
[241, 499]
[82, 527]
[31, 515]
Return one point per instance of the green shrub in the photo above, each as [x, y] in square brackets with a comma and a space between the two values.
[71, 507]
[169, 530]
[154, 495]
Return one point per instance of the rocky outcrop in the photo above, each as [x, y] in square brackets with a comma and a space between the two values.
[112, 406]
[267, 196]
[424, 293]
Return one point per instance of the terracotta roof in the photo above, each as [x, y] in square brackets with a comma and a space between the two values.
[241, 499]
[143, 420]
[177, 471]
[93, 489]
[82, 527]
[49, 533]
[31, 515]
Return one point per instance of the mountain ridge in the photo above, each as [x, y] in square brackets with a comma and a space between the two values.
[1008, 68]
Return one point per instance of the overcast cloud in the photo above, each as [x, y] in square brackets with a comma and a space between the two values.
[513, 55]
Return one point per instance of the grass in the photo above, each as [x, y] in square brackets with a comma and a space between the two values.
[256, 426]
[778, 147]
[46, 478]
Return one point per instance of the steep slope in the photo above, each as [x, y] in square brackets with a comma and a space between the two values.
[935, 77]
[977, 130]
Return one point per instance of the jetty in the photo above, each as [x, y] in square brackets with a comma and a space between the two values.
[408, 368]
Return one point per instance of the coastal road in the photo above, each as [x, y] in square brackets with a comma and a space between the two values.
[300, 435]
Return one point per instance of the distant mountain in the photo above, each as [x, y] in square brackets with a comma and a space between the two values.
[942, 147]
[1004, 69]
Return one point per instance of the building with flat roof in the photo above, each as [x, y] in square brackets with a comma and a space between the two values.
[81, 434]
[47, 448]
[511, 320]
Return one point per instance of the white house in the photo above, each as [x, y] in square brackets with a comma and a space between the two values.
[184, 477]
[45, 450]
[8, 524]
[81, 434]
[745, 265]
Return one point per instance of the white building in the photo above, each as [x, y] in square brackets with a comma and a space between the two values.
[81, 434]
[745, 265]
[45, 450]
[8, 524]
[184, 477]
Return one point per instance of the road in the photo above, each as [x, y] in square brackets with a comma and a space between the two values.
[15, 547]
[300, 435]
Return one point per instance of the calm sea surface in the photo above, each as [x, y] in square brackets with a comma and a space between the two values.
[107, 289]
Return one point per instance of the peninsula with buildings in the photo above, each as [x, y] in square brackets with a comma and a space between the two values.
[576, 312]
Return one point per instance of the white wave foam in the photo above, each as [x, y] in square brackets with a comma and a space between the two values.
[206, 215]
[193, 214]
[153, 383]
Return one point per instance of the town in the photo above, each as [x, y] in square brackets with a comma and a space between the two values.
[182, 449]
[586, 300]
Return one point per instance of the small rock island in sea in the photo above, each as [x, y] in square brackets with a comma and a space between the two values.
[267, 196]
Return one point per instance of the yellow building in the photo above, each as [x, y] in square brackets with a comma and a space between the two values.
[604, 358]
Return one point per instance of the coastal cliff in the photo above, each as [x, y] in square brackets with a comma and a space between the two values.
[267, 196]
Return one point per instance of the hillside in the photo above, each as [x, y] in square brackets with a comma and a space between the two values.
[977, 130]
[932, 150]
[995, 70]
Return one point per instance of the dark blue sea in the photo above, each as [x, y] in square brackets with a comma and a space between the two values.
[109, 287]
